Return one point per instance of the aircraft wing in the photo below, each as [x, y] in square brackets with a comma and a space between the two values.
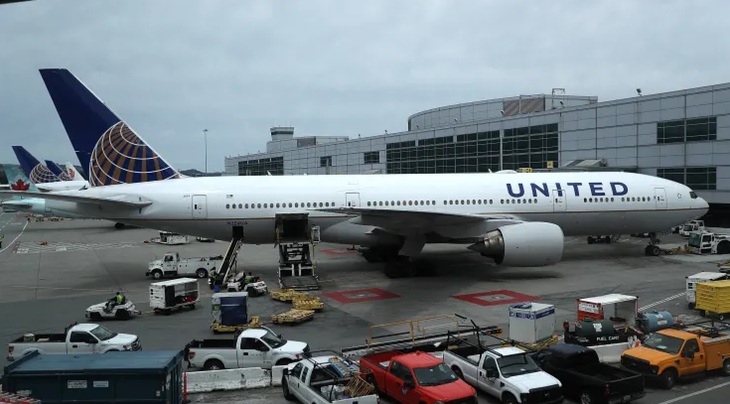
[118, 201]
[405, 221]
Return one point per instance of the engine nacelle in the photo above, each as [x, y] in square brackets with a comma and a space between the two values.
[529, 244]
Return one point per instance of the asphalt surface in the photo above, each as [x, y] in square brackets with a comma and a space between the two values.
[56, 269]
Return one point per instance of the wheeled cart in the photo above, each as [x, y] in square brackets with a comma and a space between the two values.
[175, 294]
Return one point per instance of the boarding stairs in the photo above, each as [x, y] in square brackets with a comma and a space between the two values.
[222, 275]
[296, 269]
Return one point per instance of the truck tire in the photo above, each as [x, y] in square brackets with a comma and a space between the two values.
[458, 372]
[285, 389]
[156, 274]
[691, 306]
[723, 247]
[508, 398]
[213, 364]
[283, 362]
[95, 316]
[586, 397]
[201, 273]
[122, 315]
[726, 367]
[668, 379]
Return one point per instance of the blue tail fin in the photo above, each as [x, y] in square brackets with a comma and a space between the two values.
[57, 171]
[109, 151]
[37, 173]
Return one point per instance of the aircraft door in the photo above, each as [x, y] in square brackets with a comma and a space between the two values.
[352, 199]
[199, 206]
[660, 197]
[559, 204]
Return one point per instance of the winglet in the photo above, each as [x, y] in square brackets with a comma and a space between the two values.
[57, 171]
[110, 152]
[36, 172]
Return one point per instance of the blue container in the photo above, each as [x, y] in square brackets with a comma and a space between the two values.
[234, 310]
[115, 377]
[653, 321]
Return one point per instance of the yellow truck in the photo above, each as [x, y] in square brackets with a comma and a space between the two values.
[713, 298]
[670, 354]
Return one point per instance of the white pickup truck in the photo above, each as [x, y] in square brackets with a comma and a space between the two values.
[254, 347]
[507, 373]
[172, 265]
[323, 380]
[84, 338]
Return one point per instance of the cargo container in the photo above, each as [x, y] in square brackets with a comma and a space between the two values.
[115, 377]
[713, 297]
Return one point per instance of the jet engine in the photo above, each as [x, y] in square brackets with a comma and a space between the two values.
[529, 244]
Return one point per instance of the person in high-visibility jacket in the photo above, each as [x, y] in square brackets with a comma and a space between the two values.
[2, 237]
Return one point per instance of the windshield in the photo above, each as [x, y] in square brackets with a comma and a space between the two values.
[103, 333]
[273, 340]
[435, 375]
[694, 239]
[692, 195]
[664, 343]
[514, 365]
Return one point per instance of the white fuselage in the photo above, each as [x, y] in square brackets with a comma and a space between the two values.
[591, 203]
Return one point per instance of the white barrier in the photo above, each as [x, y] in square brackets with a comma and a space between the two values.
[611, 353]
[276, 374]
[228, 379]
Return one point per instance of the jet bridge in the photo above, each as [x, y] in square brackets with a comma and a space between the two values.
[228, 267]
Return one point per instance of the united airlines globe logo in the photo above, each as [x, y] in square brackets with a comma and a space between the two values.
[64, 176]
[40, 174]
[121, 157]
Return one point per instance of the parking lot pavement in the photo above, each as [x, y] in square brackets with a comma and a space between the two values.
[60, 268]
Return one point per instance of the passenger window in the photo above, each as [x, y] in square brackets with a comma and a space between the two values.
[228, 206]
[489, 364]
[691, 346]
[297, 370]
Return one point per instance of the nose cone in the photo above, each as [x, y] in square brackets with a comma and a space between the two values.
[703, 205]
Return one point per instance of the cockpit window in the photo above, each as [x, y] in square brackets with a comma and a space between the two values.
[692, 195]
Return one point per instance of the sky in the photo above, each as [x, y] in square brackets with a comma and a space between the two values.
[171, 68]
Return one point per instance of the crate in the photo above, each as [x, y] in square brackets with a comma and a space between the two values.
[292, 316]
[287, 295]
[307, 303]
[713, 297]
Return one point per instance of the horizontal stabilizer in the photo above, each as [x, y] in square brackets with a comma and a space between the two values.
[119, 201]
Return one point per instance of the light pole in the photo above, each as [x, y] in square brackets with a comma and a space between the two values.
[205, 136]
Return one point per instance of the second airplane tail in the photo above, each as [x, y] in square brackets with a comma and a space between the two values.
[109, 151]
[37, 173]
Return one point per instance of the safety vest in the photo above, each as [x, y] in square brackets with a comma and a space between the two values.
[120, 298]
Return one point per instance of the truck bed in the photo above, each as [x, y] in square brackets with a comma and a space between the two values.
[469, 354]
[604, 372]
[380, 360]
[41, 338]
[213, 343]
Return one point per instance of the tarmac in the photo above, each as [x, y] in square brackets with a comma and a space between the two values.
[52, 271]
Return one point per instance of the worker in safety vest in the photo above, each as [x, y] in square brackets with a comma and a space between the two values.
[248, 278]
[2, 237]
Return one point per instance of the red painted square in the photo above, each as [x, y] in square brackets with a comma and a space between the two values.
[360, 295]
[332, 251]
[496, 298]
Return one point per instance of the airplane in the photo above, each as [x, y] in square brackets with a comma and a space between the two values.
[516, 219]
[41, 176]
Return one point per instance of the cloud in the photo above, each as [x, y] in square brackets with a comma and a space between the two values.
[173, 68]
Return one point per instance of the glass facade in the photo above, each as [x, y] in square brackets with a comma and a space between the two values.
[689, 130]
[530, 146]
[371, 157]
[273, 165]
[697, 178]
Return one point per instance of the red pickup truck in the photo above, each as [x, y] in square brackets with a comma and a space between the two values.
[415, 378]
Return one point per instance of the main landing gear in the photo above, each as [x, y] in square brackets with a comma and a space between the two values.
[653, 249]
[398, 258]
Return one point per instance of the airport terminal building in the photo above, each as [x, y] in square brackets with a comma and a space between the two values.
[680, 135]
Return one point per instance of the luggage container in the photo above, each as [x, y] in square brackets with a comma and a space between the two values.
[174, 294]
[621, 309]
[713, 297]
[230, 311]
[115, 377]
[531, 322]
[693, 280]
